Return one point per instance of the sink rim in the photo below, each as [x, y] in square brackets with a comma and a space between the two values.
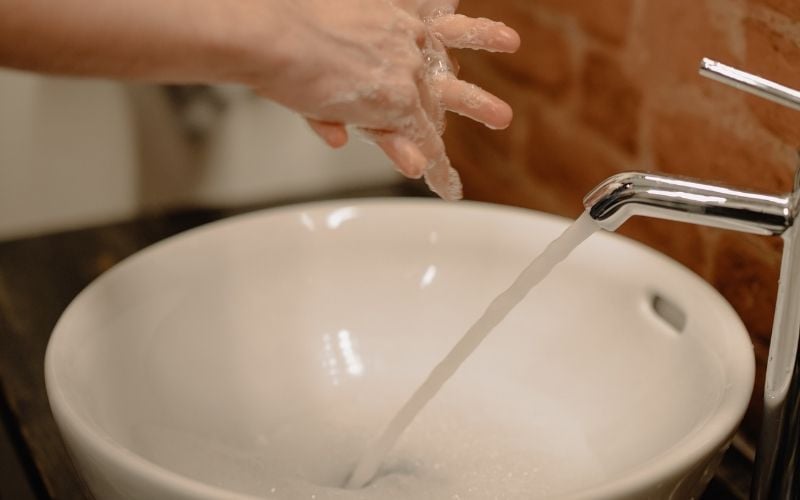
[76, 427]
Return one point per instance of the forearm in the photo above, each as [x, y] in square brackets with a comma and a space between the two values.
[378, 65]
[152, 40]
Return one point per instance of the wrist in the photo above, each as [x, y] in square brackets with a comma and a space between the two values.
[244, 42]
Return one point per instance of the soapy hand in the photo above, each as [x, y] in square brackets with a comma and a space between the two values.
[382, 66]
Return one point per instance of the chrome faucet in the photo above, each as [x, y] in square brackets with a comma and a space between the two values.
[777, 468]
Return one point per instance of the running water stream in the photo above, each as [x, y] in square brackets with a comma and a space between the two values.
[498, 309]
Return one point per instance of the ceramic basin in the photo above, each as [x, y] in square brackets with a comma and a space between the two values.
[257, 356]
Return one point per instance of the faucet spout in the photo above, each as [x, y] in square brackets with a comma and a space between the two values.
[625, 195]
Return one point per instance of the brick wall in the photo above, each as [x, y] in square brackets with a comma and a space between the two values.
[605, 86]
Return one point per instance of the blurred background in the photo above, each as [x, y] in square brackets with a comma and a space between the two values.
[81, 152]
[597, 88]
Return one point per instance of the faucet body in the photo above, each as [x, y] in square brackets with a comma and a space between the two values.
[625, 195]
[621, 196]
[777, 468]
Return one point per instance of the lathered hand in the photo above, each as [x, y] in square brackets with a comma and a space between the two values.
[397, 82]
[378, 65]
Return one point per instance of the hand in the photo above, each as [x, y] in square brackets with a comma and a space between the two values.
[378, 65]
[382, 67]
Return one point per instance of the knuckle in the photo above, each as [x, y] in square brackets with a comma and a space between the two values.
[414, 28]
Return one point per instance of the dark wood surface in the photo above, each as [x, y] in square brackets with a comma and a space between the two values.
[39, 277]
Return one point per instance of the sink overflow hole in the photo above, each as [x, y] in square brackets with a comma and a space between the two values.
[669, 311]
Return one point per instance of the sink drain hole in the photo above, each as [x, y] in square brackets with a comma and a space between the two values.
[668, 311]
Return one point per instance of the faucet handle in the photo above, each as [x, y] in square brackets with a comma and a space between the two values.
[753, 84]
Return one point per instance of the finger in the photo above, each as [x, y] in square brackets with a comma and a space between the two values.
[430, 100]
[455, 67]
[471, 101]
[439, 174]
[444, 181]
[406, 156]
[438, 68]
[439, 58]
[334, 134]
[461, 32]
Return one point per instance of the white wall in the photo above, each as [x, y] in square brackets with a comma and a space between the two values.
[67, 153]
[82, 152]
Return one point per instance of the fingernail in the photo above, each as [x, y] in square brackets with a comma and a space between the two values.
[509, 37]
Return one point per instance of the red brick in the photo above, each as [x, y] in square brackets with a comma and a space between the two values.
[478, 68]
[790, 8]
[544, 60]
[609, 20]
[566, 159]
[674, 36]
[479, 153]
[694, 146]
[611, 102]
[775, 57]
[747, 276]
[746, 272]
[492, 165]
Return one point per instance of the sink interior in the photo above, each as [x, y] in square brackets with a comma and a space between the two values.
[261, 354]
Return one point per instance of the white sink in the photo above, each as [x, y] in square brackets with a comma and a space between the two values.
[257, 356]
